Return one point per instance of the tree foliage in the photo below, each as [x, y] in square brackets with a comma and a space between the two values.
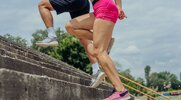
[164, 81]
[127, 74]
[147, 75]
[69, 49]
[16, 39]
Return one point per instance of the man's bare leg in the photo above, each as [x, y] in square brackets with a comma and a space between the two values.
[45, 9]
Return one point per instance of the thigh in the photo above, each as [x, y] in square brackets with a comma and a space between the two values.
[47, 4]
[85, 22]
[102, 33]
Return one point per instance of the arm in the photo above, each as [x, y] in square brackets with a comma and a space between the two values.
[121, 12]
[118, 3]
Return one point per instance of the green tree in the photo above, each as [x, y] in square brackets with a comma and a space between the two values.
[69, 49]
[164, 81]
[140, 81]
[127, 73]
[147, 75]
[16, 39]
[176, 85]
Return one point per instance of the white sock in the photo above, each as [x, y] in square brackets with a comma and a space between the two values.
[95, 68]
[51, 32]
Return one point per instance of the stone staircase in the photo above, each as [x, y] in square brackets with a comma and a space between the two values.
[26, 74]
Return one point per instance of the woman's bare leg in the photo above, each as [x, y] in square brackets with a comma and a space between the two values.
[102, 34]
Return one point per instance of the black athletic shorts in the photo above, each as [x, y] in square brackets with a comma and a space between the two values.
[74, 7]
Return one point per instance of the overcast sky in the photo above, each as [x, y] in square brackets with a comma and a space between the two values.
[149, 36]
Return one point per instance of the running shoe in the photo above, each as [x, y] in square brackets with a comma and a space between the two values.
[123, 95]
[97, 78]
[48, 42]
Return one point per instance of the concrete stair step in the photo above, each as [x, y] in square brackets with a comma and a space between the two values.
[36, 55]
[42, 65]
[28, 67]
[16, 85]
[6, 53]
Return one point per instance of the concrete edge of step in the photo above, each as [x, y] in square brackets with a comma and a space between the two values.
[18, 65]
[26, 80]
[41, 55]
[16, 56]
[38, 69]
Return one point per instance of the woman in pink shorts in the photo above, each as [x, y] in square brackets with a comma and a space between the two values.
[98, 26]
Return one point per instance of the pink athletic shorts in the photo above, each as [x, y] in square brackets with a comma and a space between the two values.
[106, 9]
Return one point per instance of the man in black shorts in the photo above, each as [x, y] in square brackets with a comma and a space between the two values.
[75, 8]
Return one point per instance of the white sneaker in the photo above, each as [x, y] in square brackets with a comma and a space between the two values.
[97, 78]
[48, 42]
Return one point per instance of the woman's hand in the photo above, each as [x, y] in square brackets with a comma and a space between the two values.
[122, 14]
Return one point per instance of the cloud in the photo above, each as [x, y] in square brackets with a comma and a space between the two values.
[171, 65]
[179, 46]
[154, 28]
[22, 20]
[130, 50]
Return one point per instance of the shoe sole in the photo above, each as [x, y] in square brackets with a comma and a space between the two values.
[126, 98]
[54, 43]
[98, 80]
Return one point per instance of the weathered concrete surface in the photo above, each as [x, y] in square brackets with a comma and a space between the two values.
[27, 67]
[26, 74]
[22, 66]
[43, 60]
[25, 55]
[21, 86]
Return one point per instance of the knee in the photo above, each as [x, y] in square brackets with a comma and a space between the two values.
[69, 27]
[44, 4]
[99, 53]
